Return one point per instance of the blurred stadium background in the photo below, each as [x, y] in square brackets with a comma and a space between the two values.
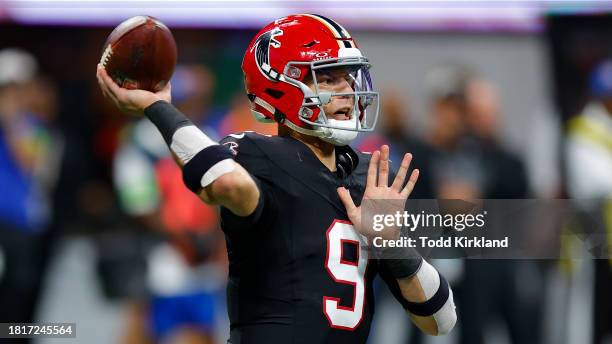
[488, 95]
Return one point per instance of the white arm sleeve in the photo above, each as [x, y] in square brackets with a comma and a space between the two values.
[445, 317]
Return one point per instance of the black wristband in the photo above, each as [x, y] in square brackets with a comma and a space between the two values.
[166, 118]
[401, 262]
[431, 306]
[201, 163]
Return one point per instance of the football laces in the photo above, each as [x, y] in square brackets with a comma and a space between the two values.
[108, 52]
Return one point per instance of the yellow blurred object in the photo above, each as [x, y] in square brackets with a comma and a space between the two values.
[608, 223]
[588, 129]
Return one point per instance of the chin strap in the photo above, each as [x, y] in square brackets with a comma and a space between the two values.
[312, 132]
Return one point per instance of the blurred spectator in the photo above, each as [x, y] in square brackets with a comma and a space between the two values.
[589, 176]
[471, 164]
[30, 151]
[458, 173]
[588, 148]
[482, 117]
[506, 178]
[506, 175]
[186, 275]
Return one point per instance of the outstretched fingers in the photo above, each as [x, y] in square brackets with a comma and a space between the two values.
[407, 190]
[401, 173]
[371, 180]
[383, 167]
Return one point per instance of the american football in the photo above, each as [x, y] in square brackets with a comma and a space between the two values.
[140, 53]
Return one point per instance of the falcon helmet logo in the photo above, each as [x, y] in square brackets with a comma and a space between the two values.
[262, 52]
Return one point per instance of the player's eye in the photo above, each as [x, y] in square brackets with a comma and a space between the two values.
[325, 79]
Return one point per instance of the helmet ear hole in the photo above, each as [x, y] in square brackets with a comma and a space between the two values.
[276, 94]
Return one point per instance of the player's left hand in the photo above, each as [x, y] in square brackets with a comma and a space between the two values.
[379, 197]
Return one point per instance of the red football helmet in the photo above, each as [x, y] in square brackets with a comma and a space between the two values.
[296, 48]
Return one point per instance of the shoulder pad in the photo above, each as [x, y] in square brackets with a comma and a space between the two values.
[246, 150]
[240, 142]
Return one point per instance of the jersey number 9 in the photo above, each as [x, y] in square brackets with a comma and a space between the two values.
[340, 234]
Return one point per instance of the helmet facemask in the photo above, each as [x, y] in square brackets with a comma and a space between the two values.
[364, 110]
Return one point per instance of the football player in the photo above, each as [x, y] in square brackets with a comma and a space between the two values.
[300, 271]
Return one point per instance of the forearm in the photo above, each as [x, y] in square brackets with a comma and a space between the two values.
[208, 168]
[413, 291]
[424, 290]
[427, 295]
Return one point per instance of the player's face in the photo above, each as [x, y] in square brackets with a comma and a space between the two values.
[336, 80]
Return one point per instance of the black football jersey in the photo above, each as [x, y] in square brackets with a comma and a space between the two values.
[298, 272]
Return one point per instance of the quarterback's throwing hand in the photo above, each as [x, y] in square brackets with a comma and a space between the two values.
[379, 197]
[131, 102]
